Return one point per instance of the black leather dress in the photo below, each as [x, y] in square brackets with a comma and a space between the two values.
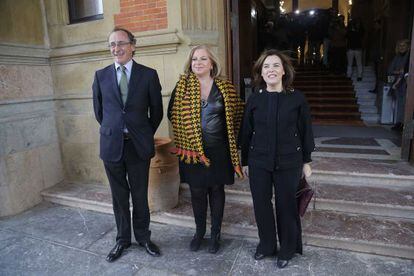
[215, 143]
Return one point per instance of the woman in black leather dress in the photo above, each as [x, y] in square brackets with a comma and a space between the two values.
[277, 142]
[205, 113]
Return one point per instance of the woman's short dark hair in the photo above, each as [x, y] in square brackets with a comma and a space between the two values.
[130, 35]
[287, 78]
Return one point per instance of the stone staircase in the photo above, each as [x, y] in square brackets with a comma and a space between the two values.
[337, 99]
[360, 204]
[366, 100]
[332, 98]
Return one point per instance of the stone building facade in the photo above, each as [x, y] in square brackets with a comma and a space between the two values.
[48, 133]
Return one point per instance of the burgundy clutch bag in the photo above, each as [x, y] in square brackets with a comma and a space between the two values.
[303, 196]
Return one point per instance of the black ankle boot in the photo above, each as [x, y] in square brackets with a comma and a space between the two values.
[196, 242]
[282, 263]
[214, 243]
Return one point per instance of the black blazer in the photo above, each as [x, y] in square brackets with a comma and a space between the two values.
[276, 131]
[141, 114]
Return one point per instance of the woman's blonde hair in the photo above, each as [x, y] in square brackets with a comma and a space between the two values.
[215, 72]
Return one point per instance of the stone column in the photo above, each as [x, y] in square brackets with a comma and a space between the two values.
[203, 22]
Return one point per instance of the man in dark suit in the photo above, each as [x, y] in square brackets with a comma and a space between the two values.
[128, 106]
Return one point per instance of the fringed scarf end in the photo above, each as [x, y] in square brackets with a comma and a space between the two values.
[238, 171]
[205, 160]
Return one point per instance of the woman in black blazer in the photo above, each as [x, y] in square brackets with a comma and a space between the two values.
[277, 142]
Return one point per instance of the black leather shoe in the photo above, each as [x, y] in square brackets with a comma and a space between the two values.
[214, 244]
[116, 252]
[259, 256]
[196, 243]
[282, 263]
[151, 248]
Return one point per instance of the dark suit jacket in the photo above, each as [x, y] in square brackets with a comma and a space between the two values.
[141, 114]
[277, 131]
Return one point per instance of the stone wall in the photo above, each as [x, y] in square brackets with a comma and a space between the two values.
[21, 22]
[48, 132]
[74, 60]
[30, 158]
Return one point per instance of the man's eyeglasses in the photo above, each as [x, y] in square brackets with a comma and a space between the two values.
[118, 43]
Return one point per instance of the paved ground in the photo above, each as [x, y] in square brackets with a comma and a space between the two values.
[55, 240]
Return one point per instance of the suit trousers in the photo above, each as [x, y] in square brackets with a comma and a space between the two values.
[200, 196]
[289, 231]
[128, 177]
[351, 55]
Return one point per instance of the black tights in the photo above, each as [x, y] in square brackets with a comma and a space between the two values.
[216, 198]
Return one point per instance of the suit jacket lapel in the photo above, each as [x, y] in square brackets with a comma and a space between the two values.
[136, 76]
[115, 86]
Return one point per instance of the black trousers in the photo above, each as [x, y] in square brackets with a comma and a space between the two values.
[289, 231]
[130, 177]
[200, 197]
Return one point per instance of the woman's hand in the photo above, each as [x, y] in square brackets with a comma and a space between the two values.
[246, 171]
[306, 170]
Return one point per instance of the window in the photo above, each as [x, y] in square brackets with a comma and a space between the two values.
[85, 10]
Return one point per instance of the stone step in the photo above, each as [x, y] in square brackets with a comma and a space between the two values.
[366, 77]
[331, 100]
[312, 72]
[334, 107]
[337, 122]
[368, 109]
[365, 200]
[365, 90]
[322, 82]
[320, 228]
[336, 115]
[325, 87]
[319, 77]
[330, 94]
[370, 118]
[363, 85]
[366, 101]
[360, 95]
[331, 229]
[381, 202]
[362, 172]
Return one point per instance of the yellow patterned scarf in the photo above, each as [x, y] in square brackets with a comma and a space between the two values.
[186, 120]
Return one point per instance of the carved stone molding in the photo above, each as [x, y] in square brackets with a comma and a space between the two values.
[148, 43]
[23, 54]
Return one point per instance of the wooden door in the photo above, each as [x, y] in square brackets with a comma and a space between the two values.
[407, 144]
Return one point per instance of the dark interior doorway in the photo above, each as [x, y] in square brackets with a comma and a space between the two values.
[254, 25]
